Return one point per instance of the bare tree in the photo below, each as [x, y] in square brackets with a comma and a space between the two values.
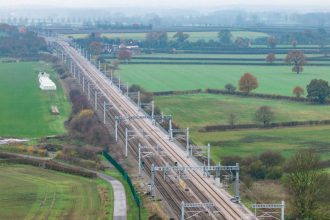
[264, 115]
[232, 119]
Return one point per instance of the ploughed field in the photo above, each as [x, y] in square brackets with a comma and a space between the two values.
[25, 110]
[272, 79]
[28, 192]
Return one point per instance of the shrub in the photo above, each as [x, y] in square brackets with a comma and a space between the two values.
[257, 170]
[271, 158]
[298, 91]
[230, 87]
[274, 172]
[230, 160]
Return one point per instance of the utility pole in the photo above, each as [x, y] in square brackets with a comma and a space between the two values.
[126, 141]
[88, 90]
[83, 83]
[170, 129]
[138, 99]
[116, 129]
[208, 154]
[236, 186]
[187, 142]
[139, 159]
[95, 100]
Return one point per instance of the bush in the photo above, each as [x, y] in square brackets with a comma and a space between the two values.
[230, 160]
[274, 172]
[271, 158]
[257, 170]
[230, 88]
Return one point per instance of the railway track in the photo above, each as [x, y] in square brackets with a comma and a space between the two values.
[204, 189]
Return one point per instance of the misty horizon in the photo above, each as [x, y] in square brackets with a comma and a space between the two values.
[170, 4]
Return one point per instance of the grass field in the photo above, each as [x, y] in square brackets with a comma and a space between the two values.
[287, 141]
[32, 193]
[196, 111]
[194, 36]
[25, 109]
[194, 55]
[272, 79]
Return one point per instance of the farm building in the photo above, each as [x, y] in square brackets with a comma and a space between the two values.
[45, 82]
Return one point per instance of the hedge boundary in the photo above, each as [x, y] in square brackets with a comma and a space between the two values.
[47, 164]
[215, 128]
[236, 93]
[321, 58]
[222, 63]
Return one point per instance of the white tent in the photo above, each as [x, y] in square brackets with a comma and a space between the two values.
[45, 82]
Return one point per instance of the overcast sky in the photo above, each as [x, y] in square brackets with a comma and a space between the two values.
[157, 3]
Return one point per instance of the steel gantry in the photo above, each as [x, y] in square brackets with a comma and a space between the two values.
[131, 134]
[201, 151]
[106, 105]
[180, 134]
[268, 212]
[144, 152]
[150, 106]
[194, 213]
[134, 95]
[205, 169]
[119, 119]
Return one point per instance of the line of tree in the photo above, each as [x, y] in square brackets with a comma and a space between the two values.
[19, 42]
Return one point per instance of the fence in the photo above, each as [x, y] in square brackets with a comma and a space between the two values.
[127, 179]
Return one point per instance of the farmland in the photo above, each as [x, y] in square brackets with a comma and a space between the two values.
[196, 111]
[203, 56]
[287, 141]
[194, 36]
[272, 79]
[32, 193]
[25, 109]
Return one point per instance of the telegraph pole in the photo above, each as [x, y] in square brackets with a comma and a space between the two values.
[95, 100]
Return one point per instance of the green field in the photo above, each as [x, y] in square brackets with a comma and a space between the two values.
[32, 193]
[196, 111]
[272, 79]
[201, 56]
[287, 141]
[25, 109]
[194, 36]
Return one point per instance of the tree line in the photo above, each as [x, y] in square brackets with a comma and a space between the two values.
[18, 42]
